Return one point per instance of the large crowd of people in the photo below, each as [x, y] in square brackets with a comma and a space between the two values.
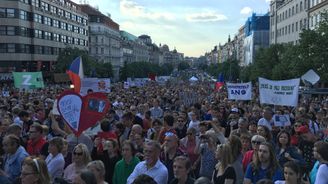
[172, 133]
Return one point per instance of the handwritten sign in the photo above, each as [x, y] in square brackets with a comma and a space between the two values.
[281, 120]
[79, 112]
[70, 108]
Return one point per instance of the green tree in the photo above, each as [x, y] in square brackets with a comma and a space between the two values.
[90, 66]
[183, 65]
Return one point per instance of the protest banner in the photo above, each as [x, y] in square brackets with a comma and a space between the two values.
[239, 91]
[283, 92]
[82, 112]
[28, 80]
[281, 120]
[96, 84]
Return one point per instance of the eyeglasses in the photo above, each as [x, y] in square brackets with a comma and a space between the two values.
[256, 142]
[79, 154]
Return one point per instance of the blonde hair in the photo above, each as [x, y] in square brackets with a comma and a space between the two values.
[226, 156]
[86, 158]
[39, 166]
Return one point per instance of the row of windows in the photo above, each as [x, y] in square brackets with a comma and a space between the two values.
[28, 49]
[55, 10]
[291, 28]
[15, 13]
[26, 32]
[315, 2]
[314, 20]
[292, 11]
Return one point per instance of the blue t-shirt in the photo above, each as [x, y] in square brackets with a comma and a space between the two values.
[262, 174]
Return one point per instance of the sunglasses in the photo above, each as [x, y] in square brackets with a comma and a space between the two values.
[256, 142]
[79, 154]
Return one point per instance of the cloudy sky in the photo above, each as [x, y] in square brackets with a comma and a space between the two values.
[193, 27]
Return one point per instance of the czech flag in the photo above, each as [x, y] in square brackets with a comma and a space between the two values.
[75, 73]
[220, 82]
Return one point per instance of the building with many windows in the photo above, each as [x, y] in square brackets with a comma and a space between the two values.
[104, 39]
[33, 32]
[316, 8]
[287, 20]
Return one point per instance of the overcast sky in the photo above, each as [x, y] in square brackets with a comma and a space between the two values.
[193, 27]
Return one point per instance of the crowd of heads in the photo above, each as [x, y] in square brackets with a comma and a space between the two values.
[196, 133]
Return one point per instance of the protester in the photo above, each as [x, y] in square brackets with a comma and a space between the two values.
[55, 160]
[81, 157]
[264, 166]
[14, 156]
[97, 167]
[151, 166]
[292, 174]
[125, 167]
[181, 169]
[34, 171]
[320, 151]
[224, 171]
[85, 177]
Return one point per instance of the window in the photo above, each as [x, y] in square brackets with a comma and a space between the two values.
[68, 15]
[293, 10]
[55, 23]
[60, 12]
[3, 47]
[35, 3]
[53, 9]
[63, 25]
[288, 29]
[38, 49]
[63, 38]
[296, 8]
[102, 51]
[55, 51]
[76, 29]
[11, 30]
[10, 13]
[37, 33]
[45, 6]
[2, 12]
[23, 15]
[69, 27]
[305, 5]
[312, 4]
[289, 12]
[301, 25]
[73, 17]
[11, 48]
[37, 18]
[296, 26]
[69, 40]
[305, 24]
[3, 30]
[301, 6]
[292, 28]
[76, 41]
[47, 50]
[56, 37]
[23, 48]
[24, 1]
[79, 19]
[47, 35]
[24, 31]
[47, 21]
[85, 22]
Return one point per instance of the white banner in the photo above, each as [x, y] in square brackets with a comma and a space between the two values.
[239, 91]
[284, 92]
[96, 84]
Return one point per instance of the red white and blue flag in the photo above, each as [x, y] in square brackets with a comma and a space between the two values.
[75, 73]
[220, 82]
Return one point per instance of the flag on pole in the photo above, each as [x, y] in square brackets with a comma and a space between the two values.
[220, 82]
[75, 73]
[152, 76]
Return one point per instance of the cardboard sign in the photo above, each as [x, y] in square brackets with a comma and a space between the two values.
[239, 91]
[96, 84]
[79, 112]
